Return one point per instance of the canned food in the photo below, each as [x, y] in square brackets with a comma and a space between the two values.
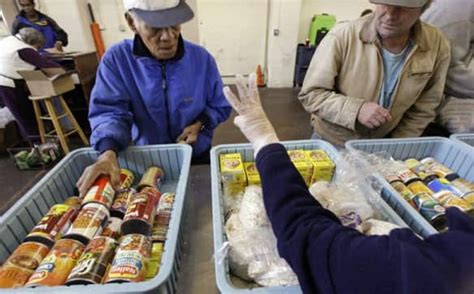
[154, 192]
[18, 268]
[56, 266]
[101, 192]
[430, 210]
[469, 197]
[154, 264]
[160, 227]
[166, 202]
[126, 179]
[404, 192]
[417, 187]
[129, 264]
[448, 199]
[151, 178]
[74, 202]
[121, 201]
[89, 222]
[407, 176]
[140, 215]
[439, 169]
[463, 185]
[53, 225]
[112, 228]
[441, 184]
[93, 264]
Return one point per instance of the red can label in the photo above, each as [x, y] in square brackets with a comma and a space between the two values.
[100, 192]
[130, 261]
[121, 201]
[112, 228]
[126, 179]
[90, 221]
[53, 225]
[142, 207]
[56, 266]
[153, 192]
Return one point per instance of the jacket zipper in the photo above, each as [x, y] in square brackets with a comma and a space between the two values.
[164, 87]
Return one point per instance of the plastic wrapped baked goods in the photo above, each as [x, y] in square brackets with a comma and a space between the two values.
[252, 253]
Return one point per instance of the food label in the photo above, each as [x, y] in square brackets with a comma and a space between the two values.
[101, 192]
[232, 169]
[253, 177]
[126, 179]
[90, 220]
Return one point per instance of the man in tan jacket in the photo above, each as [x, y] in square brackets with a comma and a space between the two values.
[379, 76]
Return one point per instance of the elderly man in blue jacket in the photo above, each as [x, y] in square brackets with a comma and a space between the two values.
[330, 258]
[156, 89]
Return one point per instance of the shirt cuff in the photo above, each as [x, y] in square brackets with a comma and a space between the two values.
[204, 119]
[107, 144]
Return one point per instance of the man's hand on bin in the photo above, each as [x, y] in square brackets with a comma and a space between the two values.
[106, 164]
[190, 133]
[252, 120]
[373, 115]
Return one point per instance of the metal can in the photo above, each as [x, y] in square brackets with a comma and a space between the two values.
[153, 266]
[126, 179]
[112, 228]
[448, 199]
[463, 185]
[56, 266]
[101, 192]
[166, 202]
[430, 210]
[417, 187]
[53, 225]
[441, 184]
[121, 201]
[154, 192]
[23, 262]
[140, 215]
[74, 202]
[129, 264]
[469, 197]
[151, 178]
[89, 222]
[439, 169]
[404, 192]
[93, 264]
[407, 176]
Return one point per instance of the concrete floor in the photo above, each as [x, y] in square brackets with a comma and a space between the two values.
[291, 122]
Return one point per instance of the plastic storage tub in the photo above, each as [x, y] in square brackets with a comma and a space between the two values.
[59, 183]
[222, 268]
[445, 151]
[465, 139]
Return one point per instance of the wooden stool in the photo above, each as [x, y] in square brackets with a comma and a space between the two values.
[53, 116]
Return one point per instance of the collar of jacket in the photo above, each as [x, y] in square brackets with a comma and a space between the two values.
[40, 15]
[141, 50]
[369, 34]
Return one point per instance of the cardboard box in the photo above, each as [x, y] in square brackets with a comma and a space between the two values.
[55, 82]
[233, 175]
[302, 164]
[323, 166]
[253, 177]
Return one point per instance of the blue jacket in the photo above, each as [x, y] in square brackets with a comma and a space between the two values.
[136, 97]
[330, 258]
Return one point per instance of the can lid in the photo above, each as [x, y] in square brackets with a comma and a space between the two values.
[39, 239]
[76, 237]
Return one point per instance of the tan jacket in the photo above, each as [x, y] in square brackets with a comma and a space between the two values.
[347, 70]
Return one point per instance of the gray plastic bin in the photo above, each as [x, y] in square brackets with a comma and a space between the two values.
[445, 151]
[222, 269]
[58, 185]
[464, 139]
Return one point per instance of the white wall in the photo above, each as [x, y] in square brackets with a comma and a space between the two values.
[342, 9]
[282, 41]
[234, 31]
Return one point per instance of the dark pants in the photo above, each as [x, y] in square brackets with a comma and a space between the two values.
[204, 158]
[16, 99]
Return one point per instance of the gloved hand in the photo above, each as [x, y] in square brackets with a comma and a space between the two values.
[252, 120]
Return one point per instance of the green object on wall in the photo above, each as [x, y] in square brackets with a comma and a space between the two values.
[320, 25]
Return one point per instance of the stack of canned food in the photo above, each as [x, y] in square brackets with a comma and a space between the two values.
[107, 237]
[430, 187]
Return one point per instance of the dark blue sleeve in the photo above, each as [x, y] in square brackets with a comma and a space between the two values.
[330, 258]
[109, 110]
[32, 56]
[217, 108]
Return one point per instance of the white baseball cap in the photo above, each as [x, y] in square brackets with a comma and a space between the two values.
[403, 3]
[160, 13]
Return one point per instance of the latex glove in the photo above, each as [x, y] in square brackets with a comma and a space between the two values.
[373, 115]
[252, 120]
[106, 164]
[190, 133]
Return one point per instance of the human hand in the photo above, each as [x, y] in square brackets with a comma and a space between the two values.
[373, 115]
[59, 46]
[252, 120]
[190, 133]
[106, 164]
